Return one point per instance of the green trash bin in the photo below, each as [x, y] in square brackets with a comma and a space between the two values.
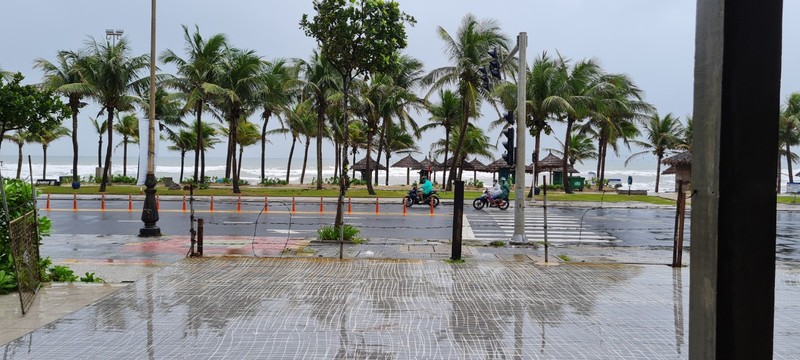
[576, 182]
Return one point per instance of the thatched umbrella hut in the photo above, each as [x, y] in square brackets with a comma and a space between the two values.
[428, 168]
[681, 165]
[409, 163]
[361, 166]
[551, 164]
[476, 166]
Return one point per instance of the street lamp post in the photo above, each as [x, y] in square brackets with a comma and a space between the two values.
[150, 210]
[113, 35]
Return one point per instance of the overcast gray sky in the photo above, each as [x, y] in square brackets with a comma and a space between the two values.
[651, 40]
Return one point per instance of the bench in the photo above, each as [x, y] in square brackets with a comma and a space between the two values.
[52, 182]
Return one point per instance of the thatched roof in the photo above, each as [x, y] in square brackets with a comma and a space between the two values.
[361, 165]
[497, 165]
[477, 165]
[434, 165]
[408, 162]
[668, 171]
[550, 162]
[682, 159]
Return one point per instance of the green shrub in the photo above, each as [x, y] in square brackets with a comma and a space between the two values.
[275, 181]
[8, 282]
[62, 273]
[475, 183]
[20, 201]
[90, 278]
[122, 179]
[332, 233]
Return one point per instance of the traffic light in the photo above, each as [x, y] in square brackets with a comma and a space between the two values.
[509, 146]
[494, 64]
[509, 116]
[484, 78]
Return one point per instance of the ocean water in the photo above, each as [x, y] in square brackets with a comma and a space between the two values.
[643, 170]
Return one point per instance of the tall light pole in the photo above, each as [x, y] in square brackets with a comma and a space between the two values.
[519, 170]
[150, 210]
[113, 35]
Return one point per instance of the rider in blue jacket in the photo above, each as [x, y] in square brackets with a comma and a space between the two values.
[426, 186]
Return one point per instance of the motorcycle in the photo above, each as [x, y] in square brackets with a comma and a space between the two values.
[487, 200]
[415, 197]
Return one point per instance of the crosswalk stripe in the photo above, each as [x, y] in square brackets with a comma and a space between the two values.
[560, 228]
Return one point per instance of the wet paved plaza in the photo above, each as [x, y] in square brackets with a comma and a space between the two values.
[246, 307]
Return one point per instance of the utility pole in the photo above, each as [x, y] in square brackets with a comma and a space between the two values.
[519, 167]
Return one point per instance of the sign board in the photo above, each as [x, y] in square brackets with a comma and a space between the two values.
[793, 187]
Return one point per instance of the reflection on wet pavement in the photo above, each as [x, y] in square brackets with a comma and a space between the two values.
[241, 308]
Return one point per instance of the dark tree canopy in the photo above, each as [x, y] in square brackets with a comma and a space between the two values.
[26, 107]
[358, 37]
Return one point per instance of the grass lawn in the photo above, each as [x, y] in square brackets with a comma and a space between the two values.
[331, 191]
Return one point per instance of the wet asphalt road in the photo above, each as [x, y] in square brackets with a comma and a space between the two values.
[634, 227]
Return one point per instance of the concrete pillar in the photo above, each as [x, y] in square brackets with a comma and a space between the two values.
[736, 108]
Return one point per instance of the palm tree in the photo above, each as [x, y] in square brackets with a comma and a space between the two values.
[196, 80]
[661, 135]
[182, 141]
[476, 143]
[319, 80]
[467, 52]
[400, 98]
[20, 138]
[46, 137]
[789, 129]
[101, 128]
[128, 127]
[208, 138]
[279, 84]
[111, 74]
[239, 79]
[299, 121]
[398, 140]
[578, 88]
[64, 78]
[619, 107]
[248, 135]
[445, 114]
[580, 148]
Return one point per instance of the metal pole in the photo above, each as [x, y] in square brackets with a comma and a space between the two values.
[458, 214]
[544, 207]
[519, 171]
[150, 209]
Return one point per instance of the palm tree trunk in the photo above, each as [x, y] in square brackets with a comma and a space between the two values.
[658, 171]
[241, 152]
[124, 156]
[199, 143]
[183, 161]
[305, 160]
[291, 154]
[446, 146]
[381, 139]
[565, 160]
[229, 153]
[44, 161]
[263, 143]
[202, 165]
[233, 138]
[19, 161]
[354, 161]
[388, 155]
[320, 132]
[368, 173]
[100, 151]
[106, 170]
[75, 106]
[457, 152]
[789, 161]
[601, 161]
